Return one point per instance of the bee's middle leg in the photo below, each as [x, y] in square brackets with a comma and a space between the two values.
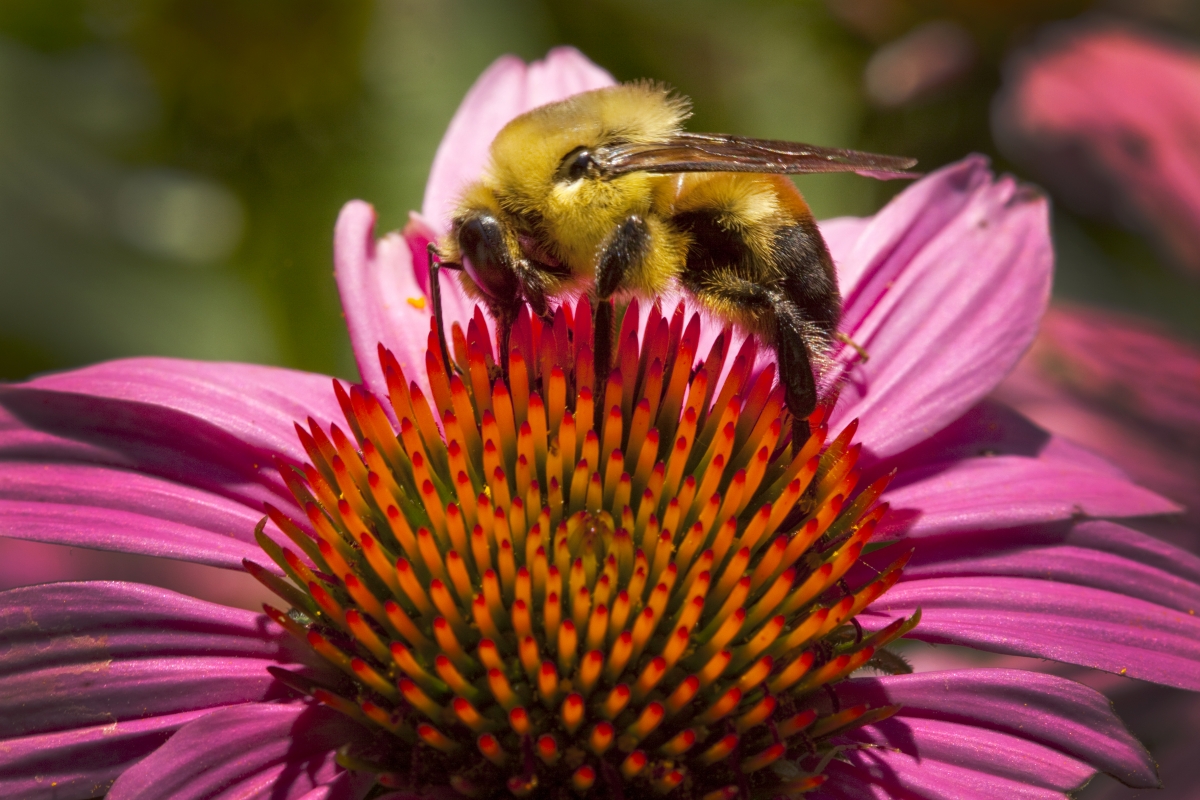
[625, 248]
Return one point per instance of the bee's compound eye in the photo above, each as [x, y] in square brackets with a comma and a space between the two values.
[485, 258]
[577, 164]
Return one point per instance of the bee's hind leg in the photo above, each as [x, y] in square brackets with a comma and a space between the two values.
[795, 368]
[782, 323]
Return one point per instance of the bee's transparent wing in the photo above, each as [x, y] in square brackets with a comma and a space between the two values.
[718, 152]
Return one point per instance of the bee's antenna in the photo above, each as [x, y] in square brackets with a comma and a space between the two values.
[435, 298]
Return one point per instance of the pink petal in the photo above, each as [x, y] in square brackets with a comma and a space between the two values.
[505, 90]
[384, 288]
[252, 404]
[1055, 712]
[840, 235]
[419, 234]
[82, 762]
[948, 761]
[990, 428]
[1121, 387]
[280, 751]
[1004, 491]
[126, 651]
[99, 674]
[381, 298]
[1094, 553]
[154, 456]
[944, 289]
[108, 508]
[1046, 619]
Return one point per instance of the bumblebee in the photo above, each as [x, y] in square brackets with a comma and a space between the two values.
[605, 193]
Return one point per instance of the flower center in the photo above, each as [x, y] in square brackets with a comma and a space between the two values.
[533, 595]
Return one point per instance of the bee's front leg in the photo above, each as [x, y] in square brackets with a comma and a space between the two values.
[435, 300]
[624, 249]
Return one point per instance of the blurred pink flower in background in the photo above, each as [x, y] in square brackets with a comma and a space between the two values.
[1109, 119]
[927, 59]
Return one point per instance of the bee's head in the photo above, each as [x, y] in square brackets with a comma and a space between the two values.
[545, 164]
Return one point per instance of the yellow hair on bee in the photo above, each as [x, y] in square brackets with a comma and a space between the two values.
[605, 192]
[527, 153]
[528, 149]
[746, 206]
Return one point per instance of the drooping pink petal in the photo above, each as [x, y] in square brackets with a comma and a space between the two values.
[104, 671]
[508, 88]
[153, 456]
[989, 429]
[1047, 619]
[1061, 714]
[382, 300]
[1109, 118]
[215, 426]
[284, 751]
[255, 406]
[943, 288]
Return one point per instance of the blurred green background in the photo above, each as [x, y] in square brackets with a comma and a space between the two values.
[170, 170]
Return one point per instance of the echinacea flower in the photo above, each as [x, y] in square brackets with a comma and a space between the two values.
[715, 590]
[1109, 119]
